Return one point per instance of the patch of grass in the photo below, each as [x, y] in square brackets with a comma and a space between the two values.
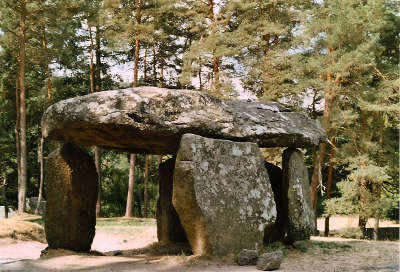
[39, 221]
[277, 246]
[124, 222]
[354, 233]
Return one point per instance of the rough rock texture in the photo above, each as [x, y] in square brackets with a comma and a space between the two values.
[301, 218]
[71, 190]
[222, 195]
[270, 261]
[247, 257]
[169, 228]
[276, 231]
[136, 119]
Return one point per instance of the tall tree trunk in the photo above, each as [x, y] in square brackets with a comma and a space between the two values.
[4, 191]
[47, 70]
[216, 60]
[97, 151]
[91, 73]
[328, 191]
[162, 75]
[40, 159]
[137, 43]
[201, 83]
[23, 145]
[130, 200]
[363, 218]
[318, 163]
[49, 99]
[97, 162]
[145, 65]
[131, 181]
[98, 81]
[17, 131]
[154, 65]
[146, 186]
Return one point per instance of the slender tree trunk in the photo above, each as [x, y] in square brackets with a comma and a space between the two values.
[97, 162]
[201, 84]
[328, 191]
[23, 147]
[47, 70]
[145, 65]
[49, 99]
[146, 185]
[97, 151]
[363, 218]
[216, 60]
[154, 65]
[131, 181]
[40, 158]
[4, 191]
[98, 61]
[18, 131]
[137, 44]
[131, 186]
[91, 73]
[162, 75]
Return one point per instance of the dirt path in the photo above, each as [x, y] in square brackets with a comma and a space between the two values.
[323, 254]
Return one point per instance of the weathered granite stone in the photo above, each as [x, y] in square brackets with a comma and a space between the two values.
[270, 261]
[136, 119]
[247, 257]
[222, 195]
[276, 231]
[71, 189]
[169, 228]
[300, 220]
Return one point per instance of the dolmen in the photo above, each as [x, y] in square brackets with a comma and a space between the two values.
[216, 192]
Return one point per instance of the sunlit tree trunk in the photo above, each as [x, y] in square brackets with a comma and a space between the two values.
[329, 188]
[97, 151]
[131, 186]
[131, 181]
[40, 158]
[22, 109]
[154, 65]
[47, 70]
[216, 60]
[4, 190]
[146, 186]
[97, 162]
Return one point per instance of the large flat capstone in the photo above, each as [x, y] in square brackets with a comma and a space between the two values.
[152, 120]
[222, 195]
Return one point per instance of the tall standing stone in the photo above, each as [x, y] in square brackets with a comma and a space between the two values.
[300, 214]
[71, 190]
[169, 228]
[222, 195]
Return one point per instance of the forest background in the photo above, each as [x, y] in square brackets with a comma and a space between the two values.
[336, 61]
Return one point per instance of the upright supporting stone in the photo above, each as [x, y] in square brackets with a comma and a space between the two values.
[222, 195]
[71, 190]
[276, 232]
[300, 221]
[169, 228]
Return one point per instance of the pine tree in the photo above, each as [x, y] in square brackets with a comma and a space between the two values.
[345, 54]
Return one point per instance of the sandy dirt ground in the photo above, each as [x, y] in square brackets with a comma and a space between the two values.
[324, 254]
